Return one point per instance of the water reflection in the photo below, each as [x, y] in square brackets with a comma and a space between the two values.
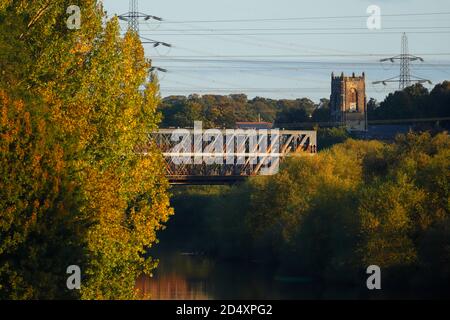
[171, 287]
[178, 277]
[186, 277]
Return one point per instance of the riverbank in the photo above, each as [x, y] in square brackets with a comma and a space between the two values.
[328, 218]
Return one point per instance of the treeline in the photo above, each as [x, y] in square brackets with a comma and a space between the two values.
[414, 102]
[74, 105]
[224, 111]
[329, 217]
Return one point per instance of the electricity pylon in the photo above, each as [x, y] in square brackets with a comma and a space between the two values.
[133, 18]
[405, 78]
[405, 58]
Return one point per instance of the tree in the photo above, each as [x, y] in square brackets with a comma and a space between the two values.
[224, 111]
[95, 89]
[322, 112]
[386, 224]
[328, 137]
[38, 221]
[372, 105]
[294, 111]
[440, 100]
[413, 102]
[356, 204]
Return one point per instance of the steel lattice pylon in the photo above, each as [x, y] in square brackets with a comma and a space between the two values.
[405, 79]
[405, 71]
[133, 18]
[133, 22]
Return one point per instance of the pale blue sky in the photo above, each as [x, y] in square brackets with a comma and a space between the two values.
[214, 57]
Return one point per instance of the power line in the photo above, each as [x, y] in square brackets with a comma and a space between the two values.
[133, 18]
[258, 42]
[368, 32]
[299, 29]
[271, 41]
[203, 78]
[304, 18]
[268, 68]
[266, 42]
[276, 44]
[200, 57]
[298, 63]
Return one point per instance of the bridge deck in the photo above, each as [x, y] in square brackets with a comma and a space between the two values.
[205, 180]
[252, 153]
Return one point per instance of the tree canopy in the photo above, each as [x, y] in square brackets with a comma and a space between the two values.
[224, 111]
[329, 217]
[76, 106]
[413, 102]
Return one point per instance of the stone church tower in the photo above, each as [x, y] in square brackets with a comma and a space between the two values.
[348, 101]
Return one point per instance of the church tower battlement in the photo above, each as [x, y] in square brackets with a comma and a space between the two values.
[348, 101]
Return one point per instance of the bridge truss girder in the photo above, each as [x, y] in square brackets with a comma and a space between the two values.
[249, 159]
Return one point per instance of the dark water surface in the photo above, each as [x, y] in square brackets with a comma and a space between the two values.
[188, 277]
[182, 276]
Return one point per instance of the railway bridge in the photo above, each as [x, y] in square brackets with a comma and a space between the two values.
[228, 156]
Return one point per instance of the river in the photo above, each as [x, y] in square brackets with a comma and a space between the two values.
[182, 276]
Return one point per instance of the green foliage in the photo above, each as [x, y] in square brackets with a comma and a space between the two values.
[413, 102]
[294, 111]
[386, 211]
[328, 137]
[322, 113]
[75, 190]
[215, 111]
[356, 204]
[224, 111]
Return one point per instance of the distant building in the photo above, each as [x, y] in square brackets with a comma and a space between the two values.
[348, 101]
[254, 125]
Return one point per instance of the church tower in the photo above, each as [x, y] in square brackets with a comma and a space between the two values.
[348, 101]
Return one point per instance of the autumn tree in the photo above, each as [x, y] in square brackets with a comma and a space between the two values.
[94, 89]
[355, 204]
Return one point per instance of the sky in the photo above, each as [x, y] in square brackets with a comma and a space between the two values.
[288, 48]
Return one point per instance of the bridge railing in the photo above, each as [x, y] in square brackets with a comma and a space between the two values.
[228, 155]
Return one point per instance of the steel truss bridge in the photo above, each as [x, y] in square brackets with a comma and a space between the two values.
[216, 157]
